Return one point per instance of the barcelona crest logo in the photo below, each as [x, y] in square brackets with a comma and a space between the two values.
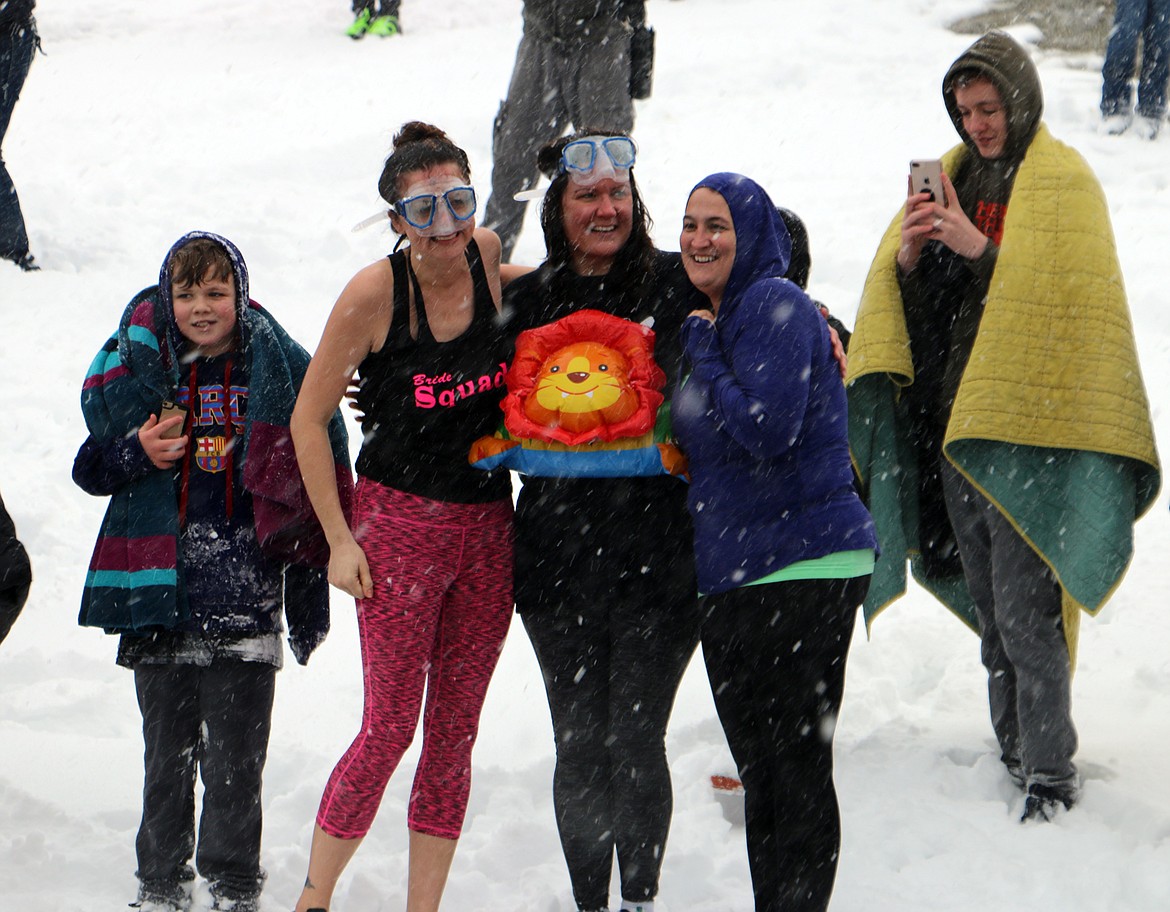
[211, 454]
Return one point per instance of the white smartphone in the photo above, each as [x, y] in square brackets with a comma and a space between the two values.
[926, 177]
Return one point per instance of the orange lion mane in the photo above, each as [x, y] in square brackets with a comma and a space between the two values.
[632, 376]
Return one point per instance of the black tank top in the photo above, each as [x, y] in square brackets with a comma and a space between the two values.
[426, 401]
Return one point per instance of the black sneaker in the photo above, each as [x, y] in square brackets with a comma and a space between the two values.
[168, 894]
[157, 905]
[225, 898]
[1045, 802]
[26, 262]
[151, 901]
[243, 904]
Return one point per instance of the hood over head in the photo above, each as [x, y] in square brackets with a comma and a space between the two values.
[239, 273]
[762, 244]
[1010, 69]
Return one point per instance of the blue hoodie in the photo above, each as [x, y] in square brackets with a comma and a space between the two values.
[762, 416]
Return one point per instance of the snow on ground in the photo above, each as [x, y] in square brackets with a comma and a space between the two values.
[260, 121]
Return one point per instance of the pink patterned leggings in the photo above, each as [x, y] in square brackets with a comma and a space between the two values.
[441, 607]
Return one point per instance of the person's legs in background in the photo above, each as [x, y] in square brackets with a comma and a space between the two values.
[1120, 59]
[1155, 69]
[531, 115]
[371, 17]
[16, 53]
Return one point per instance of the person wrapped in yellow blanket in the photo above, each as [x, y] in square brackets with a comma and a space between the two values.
[998, 418]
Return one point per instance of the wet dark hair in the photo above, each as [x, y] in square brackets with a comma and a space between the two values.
[960, 79]
[635, 259]
[417, 146]
[800, 261]
[197, 260]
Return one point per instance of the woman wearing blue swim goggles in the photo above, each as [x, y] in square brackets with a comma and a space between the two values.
[429, 311]
[594, 158]
[605, 582]
[420, 211]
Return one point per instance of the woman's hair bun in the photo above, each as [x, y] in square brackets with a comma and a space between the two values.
[417, 131]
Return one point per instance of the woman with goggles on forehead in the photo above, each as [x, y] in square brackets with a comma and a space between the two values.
[605, 581]
[429, 553]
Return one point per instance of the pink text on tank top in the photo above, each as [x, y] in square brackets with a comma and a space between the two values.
[432, 392]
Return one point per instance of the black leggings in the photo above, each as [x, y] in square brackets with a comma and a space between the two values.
[611, 672]
[775, 657]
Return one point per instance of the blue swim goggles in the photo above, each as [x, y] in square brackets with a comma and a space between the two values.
[419, 211]
[584, 165]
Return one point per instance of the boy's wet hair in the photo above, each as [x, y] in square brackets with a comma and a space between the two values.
[197, 260]
[418, 146]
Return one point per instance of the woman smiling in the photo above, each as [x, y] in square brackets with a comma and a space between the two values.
[784, 548]
[605, 583]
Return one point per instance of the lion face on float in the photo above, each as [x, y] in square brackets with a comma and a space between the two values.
[582, 387]
[588, 377]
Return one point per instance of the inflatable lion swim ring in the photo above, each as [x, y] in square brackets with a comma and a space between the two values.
[583, 401]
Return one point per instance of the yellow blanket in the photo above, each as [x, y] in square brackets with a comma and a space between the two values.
[1051, 420]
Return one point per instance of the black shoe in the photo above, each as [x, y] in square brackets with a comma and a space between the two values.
[166, 894]
[26, 262]
[242, 904]
[157, 905]
[227, 897]
[1044, 802]
[155, 901]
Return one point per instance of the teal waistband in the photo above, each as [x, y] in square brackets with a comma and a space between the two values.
[839, 565]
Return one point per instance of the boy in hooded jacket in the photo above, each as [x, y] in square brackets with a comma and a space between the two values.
[207, 536]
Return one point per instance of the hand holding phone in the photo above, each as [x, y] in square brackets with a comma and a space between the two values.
[170, 410]
[926, 177]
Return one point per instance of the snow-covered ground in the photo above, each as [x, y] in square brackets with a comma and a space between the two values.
[259, 120]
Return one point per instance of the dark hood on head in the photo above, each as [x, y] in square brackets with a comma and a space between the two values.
[762, 244]
[1010, 69]
[239, 272]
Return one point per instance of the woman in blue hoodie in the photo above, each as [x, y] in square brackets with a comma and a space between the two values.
[784, 547]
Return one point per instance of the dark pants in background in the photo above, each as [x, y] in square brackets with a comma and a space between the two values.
[217, 720]
[377, 7]
[1148, 20]
[16, 53]
[775, 657]
[553, 85]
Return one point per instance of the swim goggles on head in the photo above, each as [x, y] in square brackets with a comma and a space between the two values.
[420, 211]
[584, 165]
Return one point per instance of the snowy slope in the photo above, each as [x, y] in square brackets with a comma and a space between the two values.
[260, 121]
